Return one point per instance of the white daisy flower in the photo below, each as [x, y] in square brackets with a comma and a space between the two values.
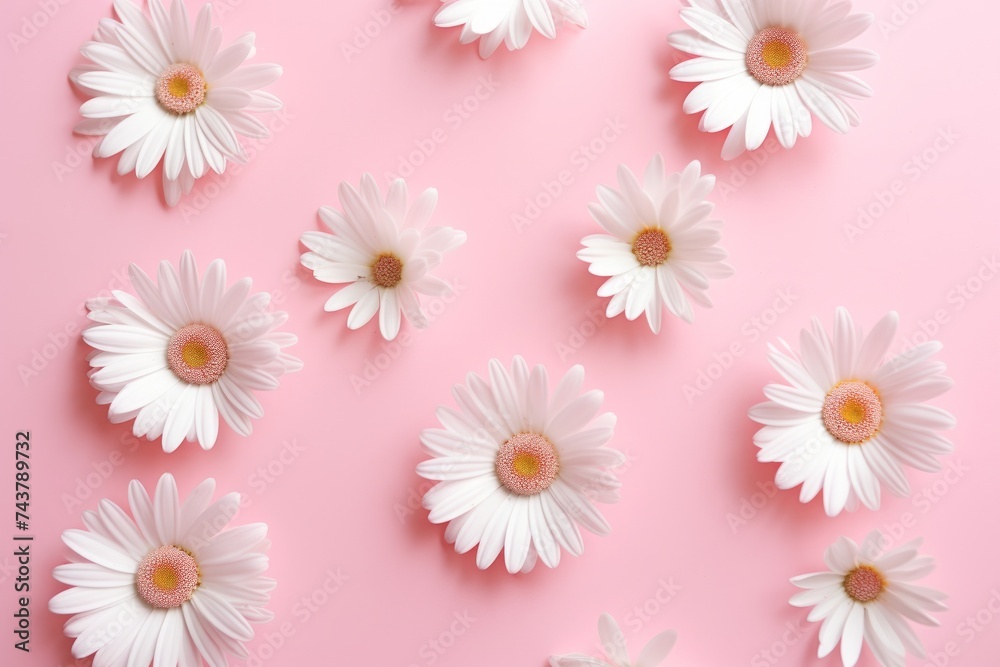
[847, 421]
[770, 62]
[661, 243]
[495, 22]
[384, 251]
[163, 91]
[169, 585]
[613, 640]
[519, 468]
[184, 351]
[867, 597]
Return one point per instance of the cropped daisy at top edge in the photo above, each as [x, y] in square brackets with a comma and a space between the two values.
[509, 22]
[769, 63]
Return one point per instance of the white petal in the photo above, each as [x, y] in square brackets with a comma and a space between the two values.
[715, 28]
[517, 542]
[540, 16]
[690, 41]
[222, 616]
[835, 33]
[389, 313]
[850, 642]
[707, 69]
[759, 117]
[348, 296]
[494, 535]
[230, 58]
[612, 639]
[166, 510]
[821, 105]
[726, 110]
[77, 600]
[657, 649]
[130, 130]
[252, 77]
[364, 310]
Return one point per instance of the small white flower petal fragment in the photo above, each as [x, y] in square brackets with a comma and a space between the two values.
[510, 22]
[661, 243]
[520, 467]
[185, 351]
[163, 91]
[171, 584]
[383, 252]
[616, 653]
[770, 63]
[868, 596]
[849, 419]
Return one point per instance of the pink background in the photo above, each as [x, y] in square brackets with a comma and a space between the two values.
[337, 499]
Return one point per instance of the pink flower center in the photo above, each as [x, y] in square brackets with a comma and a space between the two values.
[651, 247]
[167, 577]
[777, 56]
[864, 583]
[852, 412]
[197, 354]
[527, 463]
[181, 89]
[387, 270]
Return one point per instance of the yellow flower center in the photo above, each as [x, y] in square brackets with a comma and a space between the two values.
[195, 354]
[776, 54]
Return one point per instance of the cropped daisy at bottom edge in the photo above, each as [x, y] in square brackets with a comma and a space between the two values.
[616, 652]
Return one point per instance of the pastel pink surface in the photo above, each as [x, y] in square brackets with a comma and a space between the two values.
[331, 465]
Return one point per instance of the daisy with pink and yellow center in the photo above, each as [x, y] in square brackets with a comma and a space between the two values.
[867, 597]
[384, 252]
[519, 466]
[661, 243]
[763, 64]
[185, 351]
[165, 91]
[169, 584]
[850, 418]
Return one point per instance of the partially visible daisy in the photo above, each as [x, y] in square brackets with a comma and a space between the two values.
[185, 351]
[169, 585]
[162, 90]
[654, 653]
[385, 253]
[495, 22]
[847, 421]
[661, 243]
[764, 63]
[519, 467]
[867, 597]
